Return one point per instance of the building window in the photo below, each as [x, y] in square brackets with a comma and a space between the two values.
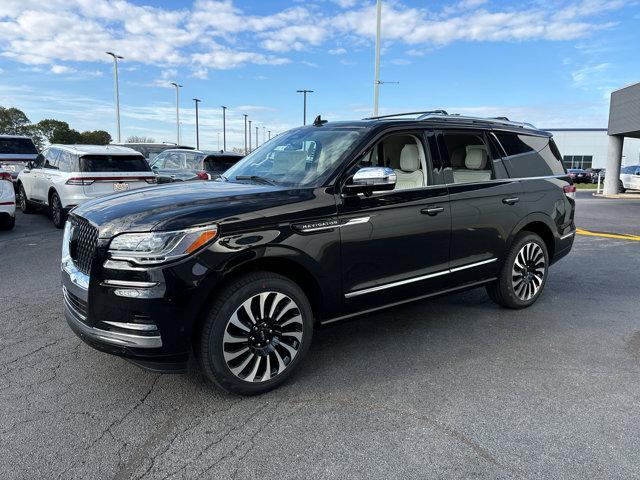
[578, 161]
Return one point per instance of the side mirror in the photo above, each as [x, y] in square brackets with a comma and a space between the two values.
[372, 179]
[29, 165]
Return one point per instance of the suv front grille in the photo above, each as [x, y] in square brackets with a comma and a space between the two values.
[82, 246]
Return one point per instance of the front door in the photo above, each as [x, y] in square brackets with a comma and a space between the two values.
[395, 244]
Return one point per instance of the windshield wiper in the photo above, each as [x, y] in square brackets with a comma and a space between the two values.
[257, 179]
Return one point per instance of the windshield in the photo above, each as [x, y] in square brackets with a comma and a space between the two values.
[301, 157]
[179, 161]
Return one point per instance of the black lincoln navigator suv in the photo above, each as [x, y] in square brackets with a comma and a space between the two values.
[319, 224]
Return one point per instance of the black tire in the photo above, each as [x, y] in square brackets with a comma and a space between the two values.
[621, 188]
[7, 222]
[269, 340]
[23, 201]
[520, 287]
[58, 213]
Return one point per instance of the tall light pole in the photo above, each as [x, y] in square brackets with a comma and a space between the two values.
[115, 74]
[224, 128]
[376, 80]
[249, 136]
[264, 133]
[304, 108]
[257, 137]
[178, 87]
[245, 133]
[197, 100]
[269, 134]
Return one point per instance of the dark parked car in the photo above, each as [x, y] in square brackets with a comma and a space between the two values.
[578, 175]
[178, 165]
[322, 223]
[15, 152]
[593, 174]
[152, 150]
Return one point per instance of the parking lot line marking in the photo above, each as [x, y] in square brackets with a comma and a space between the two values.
[620, 236]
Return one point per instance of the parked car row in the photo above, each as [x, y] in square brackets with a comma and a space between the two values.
[64, 176]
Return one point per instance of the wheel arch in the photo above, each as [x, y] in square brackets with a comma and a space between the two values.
[541, 225]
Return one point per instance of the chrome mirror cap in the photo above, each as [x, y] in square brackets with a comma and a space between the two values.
[372, 179]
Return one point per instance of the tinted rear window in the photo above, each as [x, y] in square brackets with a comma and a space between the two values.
[113, 163]
[530, 156]
[22, 146]
[220, 164]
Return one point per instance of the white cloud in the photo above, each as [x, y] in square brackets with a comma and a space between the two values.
[60, 69]
[337, 51]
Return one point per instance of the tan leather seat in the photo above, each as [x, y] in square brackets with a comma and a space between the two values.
[475, 166]
[410, 174]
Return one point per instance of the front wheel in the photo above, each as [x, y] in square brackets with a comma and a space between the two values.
[256, 334]
[621, 188]
[58, 214]
[524, 273]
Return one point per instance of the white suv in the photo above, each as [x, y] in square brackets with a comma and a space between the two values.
[629, 178]
[64, 176]
[7, 201]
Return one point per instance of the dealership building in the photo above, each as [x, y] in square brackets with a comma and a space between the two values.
[588, 147]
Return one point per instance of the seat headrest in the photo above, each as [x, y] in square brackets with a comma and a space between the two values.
[476, 158]
[409, 158]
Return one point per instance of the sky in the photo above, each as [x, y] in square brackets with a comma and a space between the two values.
[552, 63]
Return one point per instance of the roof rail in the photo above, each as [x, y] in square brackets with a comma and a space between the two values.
[421, 114]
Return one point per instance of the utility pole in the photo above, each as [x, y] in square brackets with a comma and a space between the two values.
[304, 108]
[197, 100]
[115, 74]
[224, 128]
[264, 134]
[269, 134]
[249, 136]
[178, 86]
[245, 133]
[257, 137]
[376, 80]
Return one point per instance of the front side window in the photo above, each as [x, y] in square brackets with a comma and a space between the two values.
[468, 156]
[51, 158]
[404, 153]
[303, 157]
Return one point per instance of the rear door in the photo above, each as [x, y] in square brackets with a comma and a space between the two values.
[105, 174]
[485, 203]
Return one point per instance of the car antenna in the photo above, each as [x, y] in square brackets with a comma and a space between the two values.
[318, 122]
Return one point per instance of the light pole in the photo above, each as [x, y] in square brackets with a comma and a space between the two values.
[178, 86]
[257, 137]
[224, 128]
[197, 100]
[264, 133]
[269, 134]
[115, 74]
[245, 133]
[304, 109]
[376, 80]
[249, 136]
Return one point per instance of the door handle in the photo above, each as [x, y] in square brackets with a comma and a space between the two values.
[510, 201]
[432, 211]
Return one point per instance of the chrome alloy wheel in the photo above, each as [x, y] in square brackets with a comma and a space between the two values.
[529, 269]
[262, 337]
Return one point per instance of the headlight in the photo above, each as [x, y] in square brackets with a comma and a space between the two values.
[150, 248]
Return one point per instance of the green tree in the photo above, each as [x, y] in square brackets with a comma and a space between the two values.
[49, 126]
[13, 121]
[95, 137]
[65, 135]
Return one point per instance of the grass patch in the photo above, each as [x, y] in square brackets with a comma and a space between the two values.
[586, 186]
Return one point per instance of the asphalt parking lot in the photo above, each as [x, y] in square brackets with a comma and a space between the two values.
[448, 388]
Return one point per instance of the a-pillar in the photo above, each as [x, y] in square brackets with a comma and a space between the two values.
[614, 161]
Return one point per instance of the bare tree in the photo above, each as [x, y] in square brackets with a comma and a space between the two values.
[140, 139]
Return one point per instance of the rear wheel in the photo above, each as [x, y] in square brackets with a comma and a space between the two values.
[524, 273]
[23, 201]
[7, 222]
[256, 334]
[58, 214]
[621, 188]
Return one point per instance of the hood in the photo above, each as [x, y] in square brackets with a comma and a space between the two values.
[180, 205]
